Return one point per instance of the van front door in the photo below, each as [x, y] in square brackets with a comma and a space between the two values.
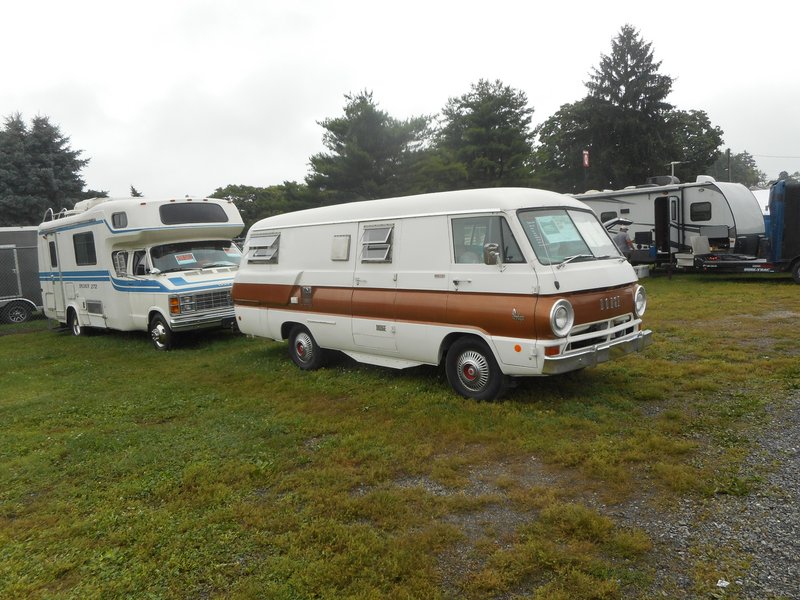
[375, 286]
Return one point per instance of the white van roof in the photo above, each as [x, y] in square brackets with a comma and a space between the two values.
[462, 201]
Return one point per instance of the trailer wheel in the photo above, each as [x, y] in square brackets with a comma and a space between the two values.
[17, 312]
[161, 335]
[796, 271]
[304, 350]
[75, 325]
[472, 370]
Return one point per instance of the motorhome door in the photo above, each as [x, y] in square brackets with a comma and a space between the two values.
[53, 282]
[375, 285]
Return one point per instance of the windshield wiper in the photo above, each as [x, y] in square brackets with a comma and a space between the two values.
[569, 259]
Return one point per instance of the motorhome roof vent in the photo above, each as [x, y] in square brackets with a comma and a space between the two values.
[662, 180]
[705, 179]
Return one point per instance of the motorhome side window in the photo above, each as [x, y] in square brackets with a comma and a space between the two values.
[264, 248]
[470, 234]
[120, 260]
[84, 249]
[376, 244]
[700, 211]
[608, 215]
[53, 255]
[119, 220]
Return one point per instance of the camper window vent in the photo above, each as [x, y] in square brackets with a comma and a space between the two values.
[264, 248]
[376, 244]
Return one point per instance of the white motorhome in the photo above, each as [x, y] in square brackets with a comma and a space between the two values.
[495, 283]
[667, 216]
[162, 266]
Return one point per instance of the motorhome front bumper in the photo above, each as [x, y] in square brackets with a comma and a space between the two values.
[217, 318]
[593, 355]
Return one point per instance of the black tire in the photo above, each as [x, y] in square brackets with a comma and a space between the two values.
[74, 324]
[160, 334]
[472, 370]
[796, 271]
[17, 312]
[304, 350]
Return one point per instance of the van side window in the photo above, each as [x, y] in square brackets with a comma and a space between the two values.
[700, 211]
[120, 260]
[471, 233]
[376, 244]
[264, 248]
[84, 249]
[139, 262]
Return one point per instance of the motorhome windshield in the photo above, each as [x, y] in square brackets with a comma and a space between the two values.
[565, 235]
[195, 255]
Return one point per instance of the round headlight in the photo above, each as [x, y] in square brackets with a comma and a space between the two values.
[639, 301]
[561, 318]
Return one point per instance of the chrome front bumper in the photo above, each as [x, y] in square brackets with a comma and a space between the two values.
[217, 318]
[593, 355]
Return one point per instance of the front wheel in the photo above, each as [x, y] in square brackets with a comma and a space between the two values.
[472, 370]
[161, 334]
[304, 350]
[796, 271]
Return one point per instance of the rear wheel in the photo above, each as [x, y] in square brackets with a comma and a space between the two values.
[162, 336]
[472, 370]
[17, 312]
[796, 271]
[304, 350]
[74, 325]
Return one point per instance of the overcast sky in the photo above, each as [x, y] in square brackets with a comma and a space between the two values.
[182, 97]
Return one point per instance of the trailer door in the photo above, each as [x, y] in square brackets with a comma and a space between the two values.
[668, 219]
[10, 283]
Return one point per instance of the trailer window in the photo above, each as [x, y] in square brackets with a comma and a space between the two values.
[192, 212]
[700, 211]
[376, 244]
[608, 215]
[264, 248]
[470, 234]
[84, 249]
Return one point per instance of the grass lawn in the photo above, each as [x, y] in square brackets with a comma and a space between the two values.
[220, 469]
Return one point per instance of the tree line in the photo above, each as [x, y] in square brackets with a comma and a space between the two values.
[624, 126]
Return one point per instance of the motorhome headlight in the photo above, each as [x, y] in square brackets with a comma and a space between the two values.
[562, 317]
[181, 304]
[639, 301]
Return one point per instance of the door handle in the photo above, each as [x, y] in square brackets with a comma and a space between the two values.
[460, 281]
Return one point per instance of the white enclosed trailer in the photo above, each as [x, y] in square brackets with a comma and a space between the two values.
[495, 283]
[665, 219]
[161, 266]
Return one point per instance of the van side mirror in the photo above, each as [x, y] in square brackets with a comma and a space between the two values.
[491, 254]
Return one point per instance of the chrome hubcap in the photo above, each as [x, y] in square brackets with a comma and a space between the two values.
[473, 370]
[303, 347]
[159, 335]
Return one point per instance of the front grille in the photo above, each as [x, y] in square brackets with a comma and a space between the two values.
[210, 300]
[601, 332]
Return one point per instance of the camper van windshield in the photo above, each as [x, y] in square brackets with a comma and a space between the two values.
[195, 255]
[563, 235]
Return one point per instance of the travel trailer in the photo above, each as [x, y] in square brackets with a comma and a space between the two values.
[493, 283]
[780, 252]
[20, 294]
[136, 264]
[666, 215]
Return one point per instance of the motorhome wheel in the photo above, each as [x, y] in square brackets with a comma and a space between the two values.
[304, 350]
[796, 271]
[472, 370]
[161, 334]
[17, 312]
[74, 324]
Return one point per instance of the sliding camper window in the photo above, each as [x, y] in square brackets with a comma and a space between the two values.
[700, 211]
[264, 248]
[180, 213]
[376, 244]
[470, 234]
[84, 249]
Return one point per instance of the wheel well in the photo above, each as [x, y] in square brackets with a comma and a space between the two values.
[286, 328]
[451, 339]
[29, 303]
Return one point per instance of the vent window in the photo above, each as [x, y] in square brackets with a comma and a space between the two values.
[376, 244]
[264, 248]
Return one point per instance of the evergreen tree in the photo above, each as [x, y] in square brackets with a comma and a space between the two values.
[739, 168]
[485, 138]
[136, 193]
[370, 153]
[38, 170]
